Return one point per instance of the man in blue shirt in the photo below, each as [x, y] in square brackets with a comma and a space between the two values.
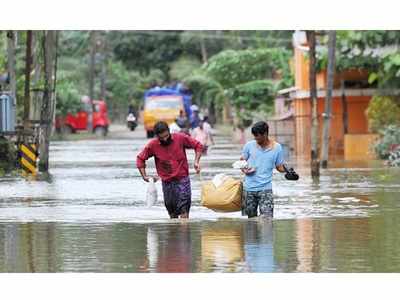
[262, 156]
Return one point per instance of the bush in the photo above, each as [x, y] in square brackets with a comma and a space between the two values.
[68, 98]
[394, 158]
[8, 155]
[383, 111]
[390, 137]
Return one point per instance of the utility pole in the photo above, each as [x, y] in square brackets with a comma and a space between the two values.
[314, 112]
[92, 70]
[328, 100]
[36, 97]
[48, 44]
[345, 111]
[11, 63]
[28, 65]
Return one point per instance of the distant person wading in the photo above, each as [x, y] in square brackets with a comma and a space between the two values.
[169, 151]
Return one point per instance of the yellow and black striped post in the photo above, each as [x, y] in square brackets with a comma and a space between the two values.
[28, 158]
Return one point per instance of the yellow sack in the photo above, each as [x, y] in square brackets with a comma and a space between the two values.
[226, 198]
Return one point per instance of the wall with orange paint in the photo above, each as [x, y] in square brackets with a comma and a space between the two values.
[357, 123]
[359, 146]
[301, 71]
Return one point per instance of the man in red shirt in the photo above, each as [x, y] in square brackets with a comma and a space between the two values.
[172, 166]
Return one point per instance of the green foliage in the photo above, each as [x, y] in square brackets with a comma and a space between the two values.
[123, 86]
[388, 75]
[191, 40]
[372, 50]
[74, 43]
[154, 77]
[206, 89]
[3, 53]
[183, 67]
[68, 97]
[248, 79]
[236, 67]
[364, 39]
[251, 95]
[390, 136]
[383, 111]
[394, 158]
[8, 155]
[72, 71]
[143, 51]
[138, 60]
[231, 68]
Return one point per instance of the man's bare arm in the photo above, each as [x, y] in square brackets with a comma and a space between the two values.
[281, 168]
[143, 173]
[197, 161]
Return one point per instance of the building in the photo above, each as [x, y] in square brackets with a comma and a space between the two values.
[351, 93]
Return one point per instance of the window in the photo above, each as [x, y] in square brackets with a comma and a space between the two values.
[165, 102]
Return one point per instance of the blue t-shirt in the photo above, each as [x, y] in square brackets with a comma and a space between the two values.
[264, 161]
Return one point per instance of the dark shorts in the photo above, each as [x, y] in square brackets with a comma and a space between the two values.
[261, 199]
[177, 196]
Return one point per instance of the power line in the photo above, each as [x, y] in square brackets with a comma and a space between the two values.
[222, 36]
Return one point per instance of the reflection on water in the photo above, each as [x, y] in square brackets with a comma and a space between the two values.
[169, 249]
[222, 247]
[227, 245]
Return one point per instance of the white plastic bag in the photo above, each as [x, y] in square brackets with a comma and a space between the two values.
[240, 164]
[219, 179]
[151, 196]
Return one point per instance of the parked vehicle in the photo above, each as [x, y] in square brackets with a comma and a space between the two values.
[81, 120]
[164, 104]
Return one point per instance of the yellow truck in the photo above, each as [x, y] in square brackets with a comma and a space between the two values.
[163, 104]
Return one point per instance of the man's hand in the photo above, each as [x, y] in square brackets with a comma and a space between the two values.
[147, 178]
[248, 171]
[290, 173]
[197, 167]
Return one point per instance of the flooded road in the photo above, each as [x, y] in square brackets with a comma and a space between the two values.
[90, 216]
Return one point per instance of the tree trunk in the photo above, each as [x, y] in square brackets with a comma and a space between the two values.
[37, 94]
[226, 112]
[345, 111]
[11, 64]
[27, 90]
[314, 99]
[103, 78]
[203, 48]
[92, 70]
[211, 112]
[54, 80]
[328, 100]
[49, 39]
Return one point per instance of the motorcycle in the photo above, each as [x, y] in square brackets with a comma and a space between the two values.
[131, 122]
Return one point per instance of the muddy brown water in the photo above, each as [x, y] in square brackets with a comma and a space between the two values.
[90, 216]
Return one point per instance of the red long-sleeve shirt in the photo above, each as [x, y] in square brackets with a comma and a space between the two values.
[171, 161]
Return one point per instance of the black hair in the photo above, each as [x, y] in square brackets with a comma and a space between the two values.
[160, 127]
[205, 118]
[260, 128]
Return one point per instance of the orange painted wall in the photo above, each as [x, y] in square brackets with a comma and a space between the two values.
[301, 68]
[357, 123]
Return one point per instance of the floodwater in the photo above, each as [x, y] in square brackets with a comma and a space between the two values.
[90, 216]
